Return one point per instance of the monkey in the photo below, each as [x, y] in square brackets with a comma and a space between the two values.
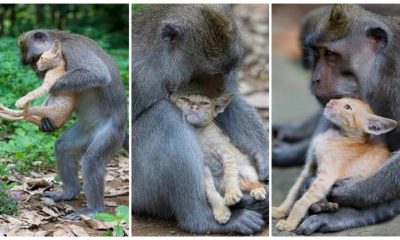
[93, 140]
[173, 45]
[354, 47]
[58, 108]
[291, 142]
[343, 151]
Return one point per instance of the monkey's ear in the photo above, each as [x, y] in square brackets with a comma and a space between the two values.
[171, 33]
[223, 101]
[378, 37]
[378, 125]
[56, 47]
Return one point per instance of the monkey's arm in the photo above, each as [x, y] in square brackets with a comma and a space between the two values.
[91, 75]
[379, 188]
[346, 218]
[295, 133]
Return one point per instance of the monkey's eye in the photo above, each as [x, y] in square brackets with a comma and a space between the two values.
[204, 103]
[329, 52]
[347, 107]
[184, 99]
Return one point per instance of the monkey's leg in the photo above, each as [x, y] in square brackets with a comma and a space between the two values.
[167, 175]
[221, 212]
[346, 218]
[105, 141]
[241, 122]
[68, 153]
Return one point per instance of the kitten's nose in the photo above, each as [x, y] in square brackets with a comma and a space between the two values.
[331, 103]
[194, 107]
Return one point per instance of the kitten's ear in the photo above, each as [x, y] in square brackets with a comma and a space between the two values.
[223, 101]
[56, 47]
[377, 125]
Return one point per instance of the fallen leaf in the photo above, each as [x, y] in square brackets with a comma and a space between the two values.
[95, 224]
[65, 232]
[78, 231]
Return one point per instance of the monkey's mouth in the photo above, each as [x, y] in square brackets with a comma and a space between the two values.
[325, 98]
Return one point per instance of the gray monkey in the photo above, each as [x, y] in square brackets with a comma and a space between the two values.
[174, 45]
[101, 112]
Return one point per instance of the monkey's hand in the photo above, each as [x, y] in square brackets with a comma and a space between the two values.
[47, 126]
[327, 222]
[343, 193]
[22, 102]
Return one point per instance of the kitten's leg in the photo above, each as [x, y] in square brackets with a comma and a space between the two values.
[221, 212]
[38, 92]
[233, 194]
[249, 182]
[283, 210]
[317, 191]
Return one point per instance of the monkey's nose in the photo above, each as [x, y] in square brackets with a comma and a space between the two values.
[194, 107]
[316, 81]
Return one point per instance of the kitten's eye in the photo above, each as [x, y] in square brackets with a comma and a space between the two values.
[184, 99]
[204, 103]
[347, 107]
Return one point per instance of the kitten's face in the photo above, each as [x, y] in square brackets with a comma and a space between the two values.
[51, 58]
[199, 110]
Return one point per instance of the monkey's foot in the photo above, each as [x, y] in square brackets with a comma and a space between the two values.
[222, 215]
[59, 196]
[285, 225]
[76, 215]
[324, 206]
[233, 197]
[278, 212]
[258, 193]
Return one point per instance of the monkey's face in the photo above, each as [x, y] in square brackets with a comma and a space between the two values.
[32, 45]
[207, 46]
[347, 54]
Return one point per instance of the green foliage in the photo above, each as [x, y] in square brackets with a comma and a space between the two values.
[108, 23]
[121, 216]
[21, 143]
[8, 204]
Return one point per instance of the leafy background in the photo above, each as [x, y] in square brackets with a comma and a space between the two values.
[22, 146]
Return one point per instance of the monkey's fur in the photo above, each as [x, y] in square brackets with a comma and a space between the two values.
[57, 108]
[93, 76]
[174, 45]
[370, 70]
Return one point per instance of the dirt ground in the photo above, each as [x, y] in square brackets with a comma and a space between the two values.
[288, 77]
[38, 216]
[253, 77]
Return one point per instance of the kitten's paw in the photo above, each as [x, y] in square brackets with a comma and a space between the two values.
[278, 212]
[233, 197]
[222, 215]
[258, 193]
[21, 102]
[285, 225]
